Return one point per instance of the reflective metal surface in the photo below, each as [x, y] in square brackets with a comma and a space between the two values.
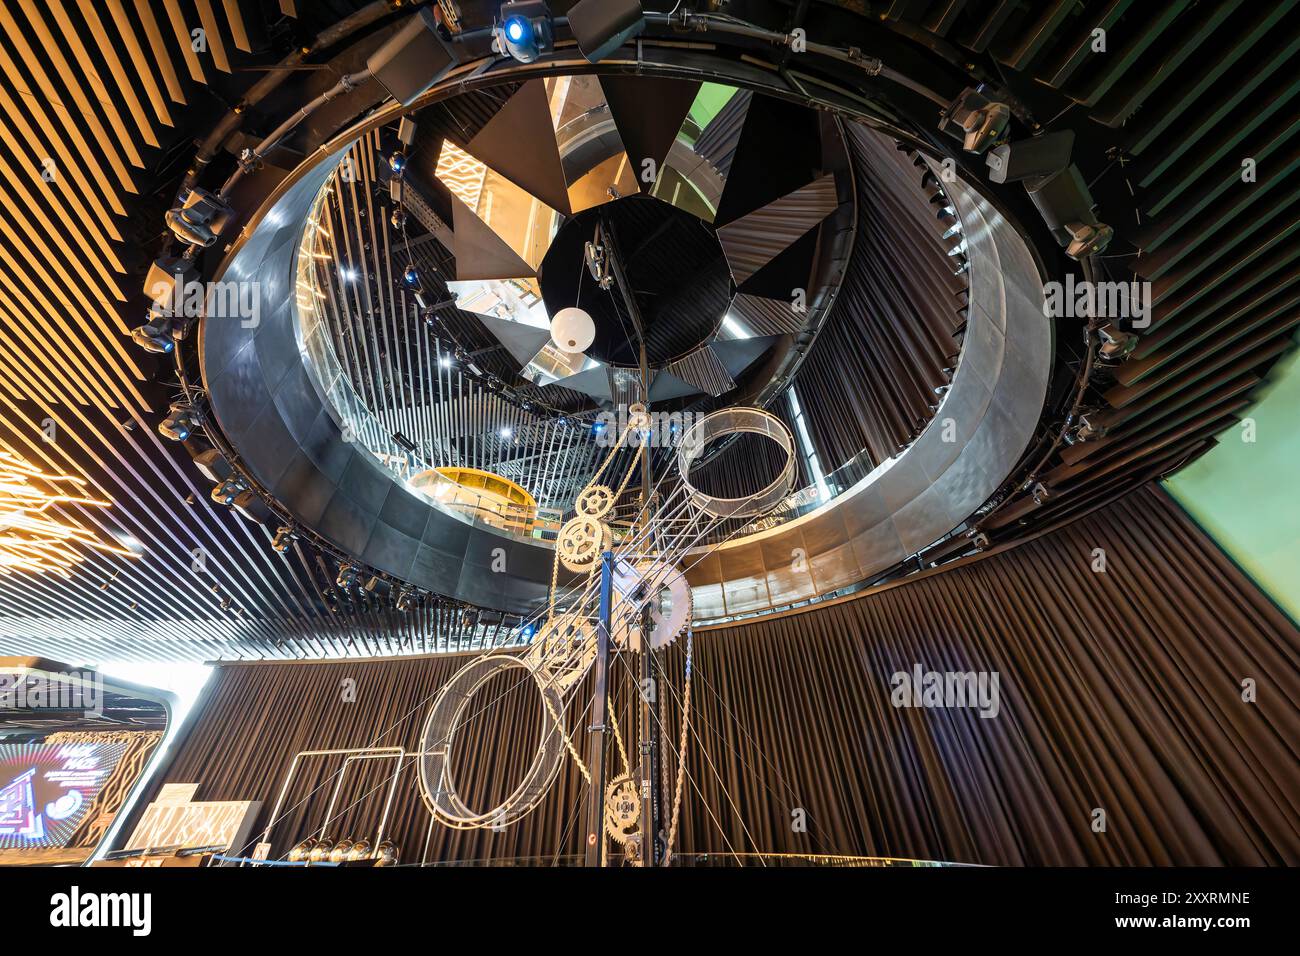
[280, 417]
[983, 426]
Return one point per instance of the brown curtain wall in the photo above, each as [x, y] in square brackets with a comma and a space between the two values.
[1119, 690]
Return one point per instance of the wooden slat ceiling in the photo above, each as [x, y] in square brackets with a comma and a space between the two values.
[1185, 92]
[102, 99]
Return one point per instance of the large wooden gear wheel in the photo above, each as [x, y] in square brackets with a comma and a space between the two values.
[660, 586]
[580, 543]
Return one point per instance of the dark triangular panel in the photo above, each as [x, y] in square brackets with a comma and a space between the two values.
[648, 113]
[718, 141]
[666, 387]
[791, 270]
[763, 316]
[736, 355]
[519, 143]
[480, 252]
[705, 370]
[523, 342]
[594, 383]
[780, 150]
[753, 241]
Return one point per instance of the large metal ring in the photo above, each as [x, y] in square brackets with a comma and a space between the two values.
[735, 421]
[439, 734]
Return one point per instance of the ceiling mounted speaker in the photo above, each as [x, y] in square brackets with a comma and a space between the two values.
[602, 26]
[573, 330]
[412, 59]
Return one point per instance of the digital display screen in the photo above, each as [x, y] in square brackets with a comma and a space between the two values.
[46, 789]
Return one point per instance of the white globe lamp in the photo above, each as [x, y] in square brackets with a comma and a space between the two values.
[572, 330]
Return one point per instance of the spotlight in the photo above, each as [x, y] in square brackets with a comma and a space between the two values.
[1115, 345]
[506, 433]
[283, 538]
[347, 576]
[414, 58]
[201, 219]
[405, 597]
[398, 219]
[976, 120]
[1087, 239]
[411, 279]
[168, 284]
[230, 489]
[602, 26]
[445, 361]
[525, 29]
[182, 418]
[397, 163]
[1044, 155]
[155, 335]
[1065, 203]
[371, 584]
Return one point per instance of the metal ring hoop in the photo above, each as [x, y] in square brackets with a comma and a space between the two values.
[437, 785]
[735, 421]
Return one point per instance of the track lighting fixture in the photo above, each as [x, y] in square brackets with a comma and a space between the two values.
[181, 421]
[976, 120]
[1115, 345]
[155, 335]
[405, 596]
[284, 537]
[524, 30]
[201, 219]
[229, 490]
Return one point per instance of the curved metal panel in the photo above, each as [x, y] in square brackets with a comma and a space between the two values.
[984, 424]
[274, 410]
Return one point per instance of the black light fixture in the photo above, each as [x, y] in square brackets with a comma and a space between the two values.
[405, 596]
[524, 30]
[414, 58]
[602, 26]
[347, 576]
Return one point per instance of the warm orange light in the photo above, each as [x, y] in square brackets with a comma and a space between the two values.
[31, 539]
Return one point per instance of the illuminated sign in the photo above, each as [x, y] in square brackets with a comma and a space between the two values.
[46, 789]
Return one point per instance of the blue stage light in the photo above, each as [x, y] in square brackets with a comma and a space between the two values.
[525, 30]
[517, 28]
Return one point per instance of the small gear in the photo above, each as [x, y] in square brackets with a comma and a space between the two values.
[595, 501]
[580, 543]
[622, 810]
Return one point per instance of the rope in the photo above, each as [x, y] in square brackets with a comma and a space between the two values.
[681, 755]
[618, 737]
